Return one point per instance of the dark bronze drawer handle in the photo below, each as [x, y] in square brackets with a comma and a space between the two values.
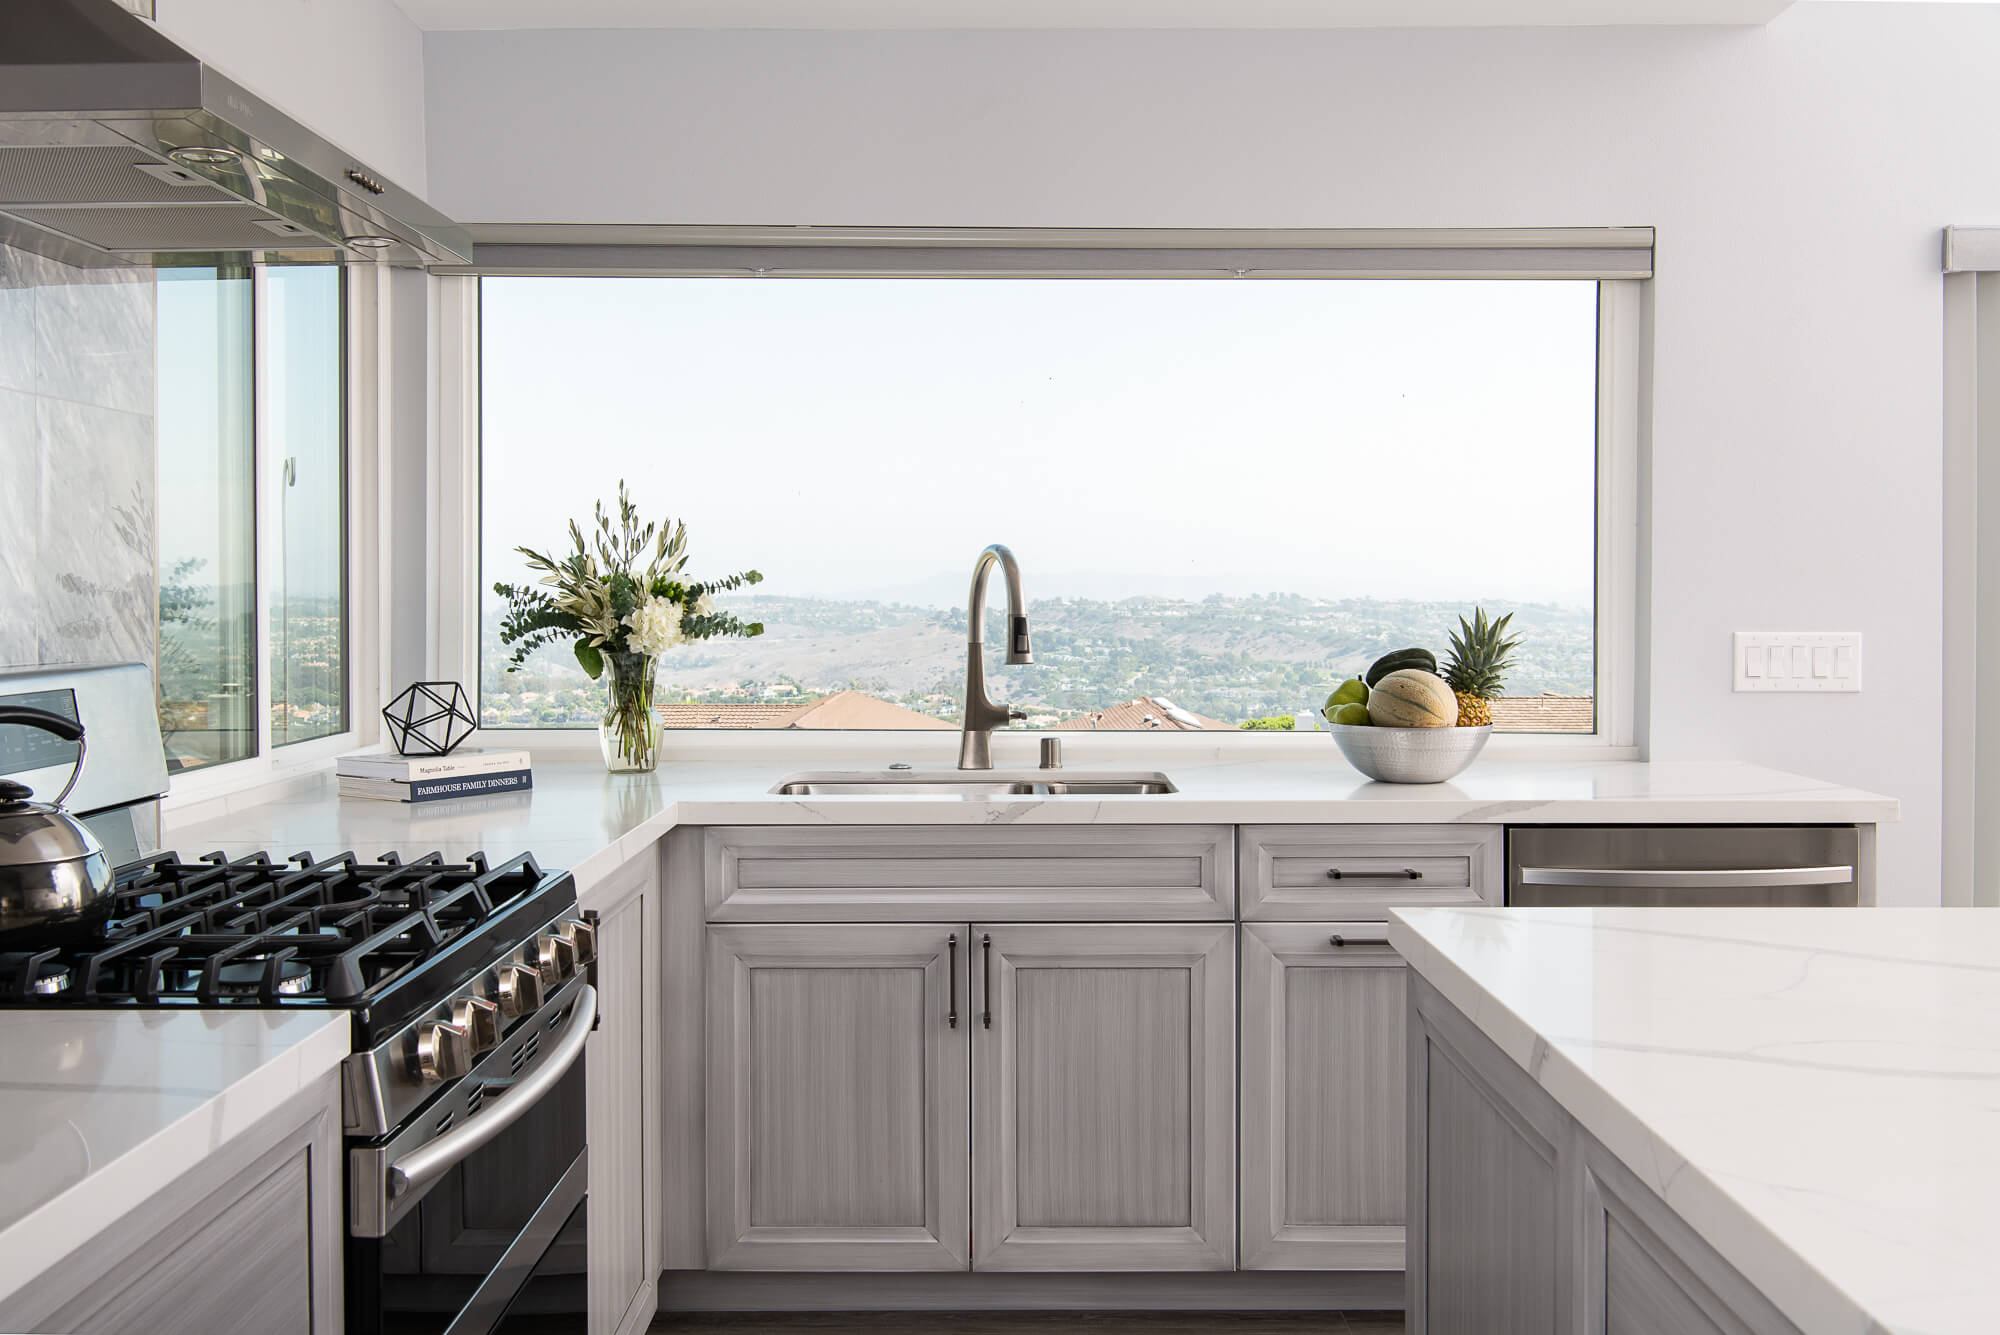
[951, 972]
[1406, 874]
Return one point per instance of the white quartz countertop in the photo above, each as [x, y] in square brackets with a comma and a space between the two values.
[100, 1109]
[580, 817]
[1815, 1091]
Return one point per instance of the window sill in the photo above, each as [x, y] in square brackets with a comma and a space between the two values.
[218, 789]
[1019, 748]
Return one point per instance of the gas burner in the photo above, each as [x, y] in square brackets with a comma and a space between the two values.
[24, 975]
[27, 976]
[245, 978]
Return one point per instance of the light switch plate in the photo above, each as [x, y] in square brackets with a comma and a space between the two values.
[1798, 660]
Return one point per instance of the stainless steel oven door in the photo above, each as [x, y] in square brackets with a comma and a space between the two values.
[471, 1219]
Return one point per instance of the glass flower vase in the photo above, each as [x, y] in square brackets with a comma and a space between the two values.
[629, 736]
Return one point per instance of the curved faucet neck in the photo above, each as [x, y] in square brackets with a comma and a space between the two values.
[975, 750]
[982, 570]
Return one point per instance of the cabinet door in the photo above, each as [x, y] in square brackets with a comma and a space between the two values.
[247, 1268]
[1646, 1272]
[837, 1097]
[1104, 1096]
[622, 1069]
[1487, 1218]
[1323, 1097]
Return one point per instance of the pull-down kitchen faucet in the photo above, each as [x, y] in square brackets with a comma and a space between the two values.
[975, 743]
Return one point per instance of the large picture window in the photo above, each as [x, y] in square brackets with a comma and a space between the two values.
[1225, 496]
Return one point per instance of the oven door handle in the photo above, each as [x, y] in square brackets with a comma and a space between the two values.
[425, 1165]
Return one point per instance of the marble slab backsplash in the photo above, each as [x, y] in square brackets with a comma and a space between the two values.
[79, 578]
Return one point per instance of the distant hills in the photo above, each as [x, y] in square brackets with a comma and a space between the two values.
[1228, 657]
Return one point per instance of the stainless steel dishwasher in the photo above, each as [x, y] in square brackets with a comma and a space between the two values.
[1704, 866]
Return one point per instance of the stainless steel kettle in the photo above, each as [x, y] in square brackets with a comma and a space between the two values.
[52, 869]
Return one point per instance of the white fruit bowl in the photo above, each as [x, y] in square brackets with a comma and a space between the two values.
[1409, 755]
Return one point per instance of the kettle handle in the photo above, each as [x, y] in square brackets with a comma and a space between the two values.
[66, 728]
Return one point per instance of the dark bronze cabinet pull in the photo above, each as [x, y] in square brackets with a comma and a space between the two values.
[986, 968]
[1339, 940]
[1406, 874]
[951, 973]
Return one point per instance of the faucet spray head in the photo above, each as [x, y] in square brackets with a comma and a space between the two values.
[1019, 650]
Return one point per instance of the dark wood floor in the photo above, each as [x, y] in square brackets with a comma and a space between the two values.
[1033, 1323]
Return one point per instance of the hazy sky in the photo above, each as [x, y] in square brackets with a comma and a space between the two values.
[865, 438]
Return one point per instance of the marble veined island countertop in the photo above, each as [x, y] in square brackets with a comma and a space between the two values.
[99, 1109]
[1815, 1091]
[580, 817]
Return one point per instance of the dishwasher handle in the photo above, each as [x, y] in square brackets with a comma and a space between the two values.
[1725, 878]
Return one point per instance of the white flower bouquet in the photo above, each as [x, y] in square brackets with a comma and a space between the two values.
[620, 615]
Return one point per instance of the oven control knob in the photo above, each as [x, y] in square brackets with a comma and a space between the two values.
[444, 1051]
[480, 1019]
[557, 959]
[520, 990]
[582, 938]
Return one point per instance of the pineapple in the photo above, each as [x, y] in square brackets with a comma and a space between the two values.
[1479, 654]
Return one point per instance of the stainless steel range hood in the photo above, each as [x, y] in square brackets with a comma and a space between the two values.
[118, 147]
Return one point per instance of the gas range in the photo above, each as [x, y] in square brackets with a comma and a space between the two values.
[463, 981]
[468, 986]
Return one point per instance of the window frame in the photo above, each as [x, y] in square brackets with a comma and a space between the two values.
[361, 648]
[1619, 260]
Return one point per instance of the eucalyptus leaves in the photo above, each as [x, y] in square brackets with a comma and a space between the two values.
[601, 597]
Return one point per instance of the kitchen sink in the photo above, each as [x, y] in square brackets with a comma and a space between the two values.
[959, 784]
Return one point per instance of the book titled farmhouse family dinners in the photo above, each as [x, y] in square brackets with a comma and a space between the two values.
[470, 773]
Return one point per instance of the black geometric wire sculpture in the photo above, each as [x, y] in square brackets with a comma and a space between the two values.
[430, 719]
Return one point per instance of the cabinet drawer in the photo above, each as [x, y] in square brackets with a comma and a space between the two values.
[1362, 871]
[926, 873]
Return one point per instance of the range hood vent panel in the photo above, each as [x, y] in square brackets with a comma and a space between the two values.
[92, 173]
[94, 101]
[205, 228]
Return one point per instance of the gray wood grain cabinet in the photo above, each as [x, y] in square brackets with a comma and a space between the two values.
[837, 1084]
[1323, 1161]
[1359, 872]
[622, 1076]
[248, 1240]
[1104, 1110]
[1004, 1096]
[931, 873]
[1521, 1223]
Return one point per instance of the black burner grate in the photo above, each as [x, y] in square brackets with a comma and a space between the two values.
[257, 931]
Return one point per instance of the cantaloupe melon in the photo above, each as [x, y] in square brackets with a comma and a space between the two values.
[1412, 698]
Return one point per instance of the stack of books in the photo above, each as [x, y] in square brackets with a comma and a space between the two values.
[465, 773]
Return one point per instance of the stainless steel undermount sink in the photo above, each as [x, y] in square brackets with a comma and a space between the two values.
[961, 784]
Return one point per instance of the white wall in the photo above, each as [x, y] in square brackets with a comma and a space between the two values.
[1798, 175]
[352, 70]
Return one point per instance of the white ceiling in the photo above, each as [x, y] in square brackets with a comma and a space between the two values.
[439, 15]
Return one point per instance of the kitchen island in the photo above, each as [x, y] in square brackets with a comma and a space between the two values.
[1693, 1120]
